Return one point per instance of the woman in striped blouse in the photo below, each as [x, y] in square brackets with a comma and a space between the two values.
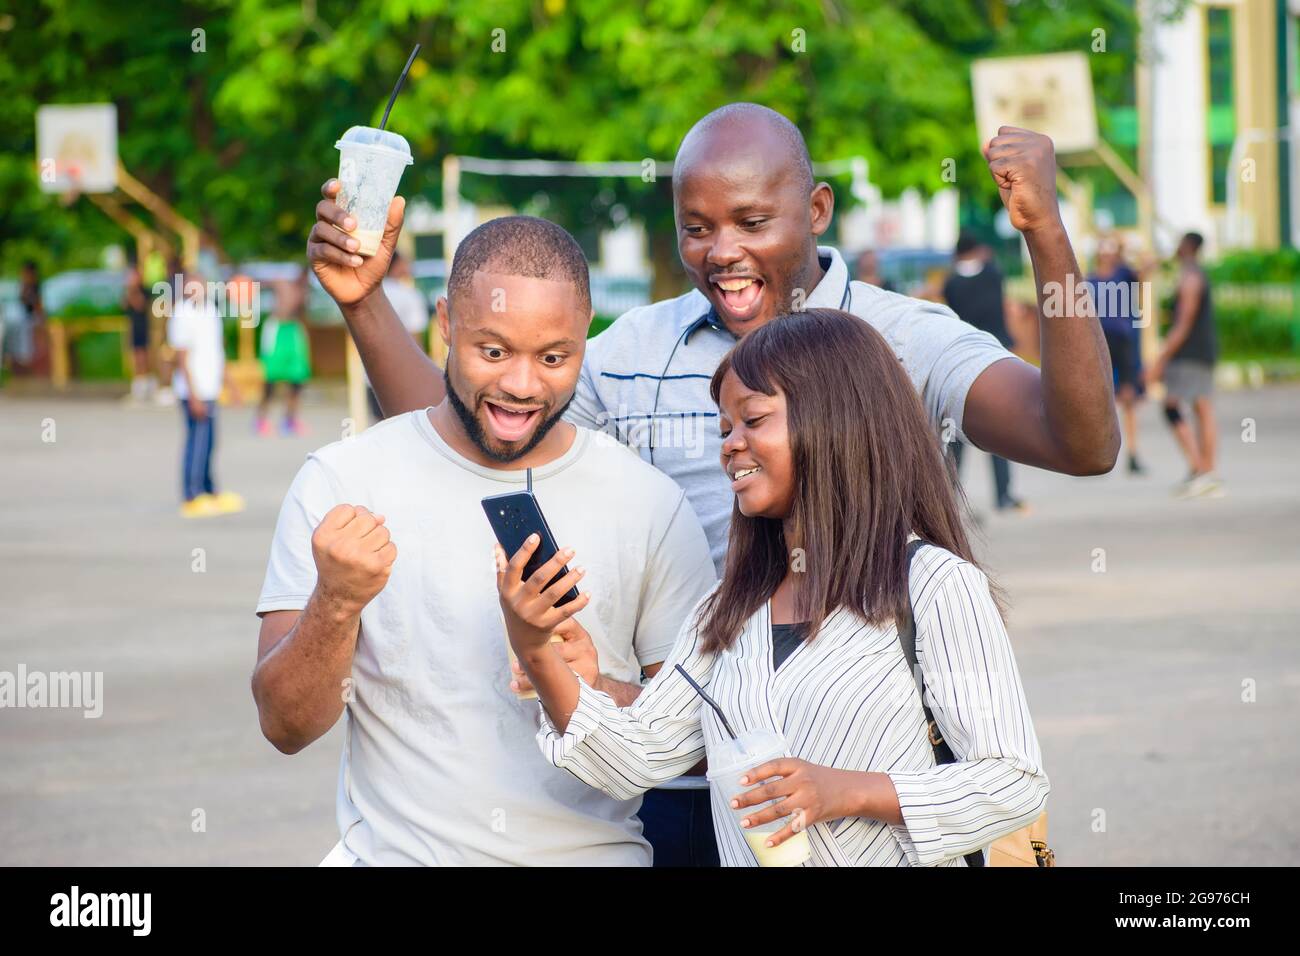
[834, 469]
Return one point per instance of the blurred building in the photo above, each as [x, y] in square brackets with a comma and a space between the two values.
[912, 221]
[1219, 98]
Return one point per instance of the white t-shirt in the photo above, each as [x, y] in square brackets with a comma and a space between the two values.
[196, 328]
[439, 764]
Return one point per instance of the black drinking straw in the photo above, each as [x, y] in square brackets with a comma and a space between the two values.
[400, 80]
[708, 700]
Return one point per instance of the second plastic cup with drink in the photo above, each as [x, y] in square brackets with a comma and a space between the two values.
[371, 163]
[750, 749]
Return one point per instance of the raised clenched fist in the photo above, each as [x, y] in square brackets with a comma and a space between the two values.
[1023, 164]
[354, 555]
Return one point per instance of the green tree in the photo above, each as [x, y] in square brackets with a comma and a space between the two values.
[239, 137]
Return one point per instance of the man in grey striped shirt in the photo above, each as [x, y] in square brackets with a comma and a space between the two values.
[749, 214]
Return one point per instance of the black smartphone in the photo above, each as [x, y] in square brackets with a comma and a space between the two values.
[514, 517]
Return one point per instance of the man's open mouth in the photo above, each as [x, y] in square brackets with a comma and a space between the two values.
[741, 295]
[510, 424]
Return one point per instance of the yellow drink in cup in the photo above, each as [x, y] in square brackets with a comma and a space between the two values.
[792, 852]
[369, 239]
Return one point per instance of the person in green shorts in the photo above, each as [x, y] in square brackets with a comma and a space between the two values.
[286, 356]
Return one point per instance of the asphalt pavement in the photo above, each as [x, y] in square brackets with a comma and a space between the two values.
[1157, 640]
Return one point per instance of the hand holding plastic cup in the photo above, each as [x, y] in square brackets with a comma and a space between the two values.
[738, 756]
[371, 163]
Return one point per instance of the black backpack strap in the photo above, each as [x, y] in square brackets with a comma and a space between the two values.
[907, 636]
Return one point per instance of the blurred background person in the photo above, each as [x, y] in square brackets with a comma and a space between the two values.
[286, 357]
[1115, 290]
[196, 337]
[164, 306]
[1186, 366]
[411, 307]
[974, 291]
[136, 301]
[868, 270]
[26, 349]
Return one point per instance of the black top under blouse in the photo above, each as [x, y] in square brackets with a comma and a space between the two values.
[785, 638]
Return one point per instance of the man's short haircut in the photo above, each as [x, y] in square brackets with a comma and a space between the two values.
[1195, 239]
[966, 242]
[796, 149]
[520, 246]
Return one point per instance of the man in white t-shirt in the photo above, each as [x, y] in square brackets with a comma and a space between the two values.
[380, 598]
[194, 333]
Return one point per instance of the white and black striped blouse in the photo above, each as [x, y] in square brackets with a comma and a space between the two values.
[844, 700]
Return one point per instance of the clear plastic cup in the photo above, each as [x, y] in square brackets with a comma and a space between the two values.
[371, 163]
[737, 757]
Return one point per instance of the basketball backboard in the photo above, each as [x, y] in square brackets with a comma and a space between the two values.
[1050, 93]
[76, 147]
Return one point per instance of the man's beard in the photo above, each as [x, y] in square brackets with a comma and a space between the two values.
[469, 421]
[784, 287]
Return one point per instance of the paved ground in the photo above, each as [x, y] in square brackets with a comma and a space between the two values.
[1134, 675]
